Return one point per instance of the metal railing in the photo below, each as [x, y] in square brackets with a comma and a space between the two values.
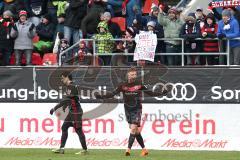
[182, 53]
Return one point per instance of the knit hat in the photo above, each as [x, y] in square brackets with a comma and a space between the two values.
[199, 8]
[191, 17]
[151, 23]
[7, 13]
[22, 13]
[107, 14]
[227, 13]
[210, 16]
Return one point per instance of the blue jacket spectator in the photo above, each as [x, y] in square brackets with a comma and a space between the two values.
[228, 27]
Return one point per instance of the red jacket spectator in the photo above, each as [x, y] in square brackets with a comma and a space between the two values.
[209, 30]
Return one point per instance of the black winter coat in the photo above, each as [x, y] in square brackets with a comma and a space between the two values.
[45, 31]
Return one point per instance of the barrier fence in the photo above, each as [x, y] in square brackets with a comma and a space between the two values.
[222, 51]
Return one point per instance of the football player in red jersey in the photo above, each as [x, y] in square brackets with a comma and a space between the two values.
[132, 96]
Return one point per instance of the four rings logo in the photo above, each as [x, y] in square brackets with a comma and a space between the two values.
[179, 92]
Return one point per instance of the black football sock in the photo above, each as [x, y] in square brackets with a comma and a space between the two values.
[131, 140]
[64, 139]
[82, 138]
[140, 140]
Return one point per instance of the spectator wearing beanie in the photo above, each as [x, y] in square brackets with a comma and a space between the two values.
[171, 25]
[35, 9]
[45, 31]
[114, 28]
[11, 5]
[6, 42]
[23, 32]
[228, 27]
[75, 13]
[209, 30]
[83, 56]
[200, 16]
[189, 32]
[62, 46]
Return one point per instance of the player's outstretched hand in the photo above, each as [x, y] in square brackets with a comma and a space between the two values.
[52, 111]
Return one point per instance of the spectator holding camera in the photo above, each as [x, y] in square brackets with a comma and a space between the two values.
[23, 31]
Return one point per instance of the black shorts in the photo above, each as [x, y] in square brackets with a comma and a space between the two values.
[75, 119]
[134, 116]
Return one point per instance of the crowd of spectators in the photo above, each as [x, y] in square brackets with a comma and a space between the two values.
[58, 24]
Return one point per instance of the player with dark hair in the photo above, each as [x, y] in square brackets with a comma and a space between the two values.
[74, 117]
[132, 94]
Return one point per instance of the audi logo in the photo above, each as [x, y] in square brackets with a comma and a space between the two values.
[179, 92]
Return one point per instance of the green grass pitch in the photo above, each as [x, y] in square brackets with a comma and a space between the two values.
[46, 154]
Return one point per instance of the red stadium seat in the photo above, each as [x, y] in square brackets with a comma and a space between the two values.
[121, 22]
[50, 57]
[36, 59]
[148, 4]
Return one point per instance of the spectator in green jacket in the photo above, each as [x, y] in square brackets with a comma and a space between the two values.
[104, 44]
[171, 25]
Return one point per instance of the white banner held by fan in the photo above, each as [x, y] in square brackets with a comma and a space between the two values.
[146, 46]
